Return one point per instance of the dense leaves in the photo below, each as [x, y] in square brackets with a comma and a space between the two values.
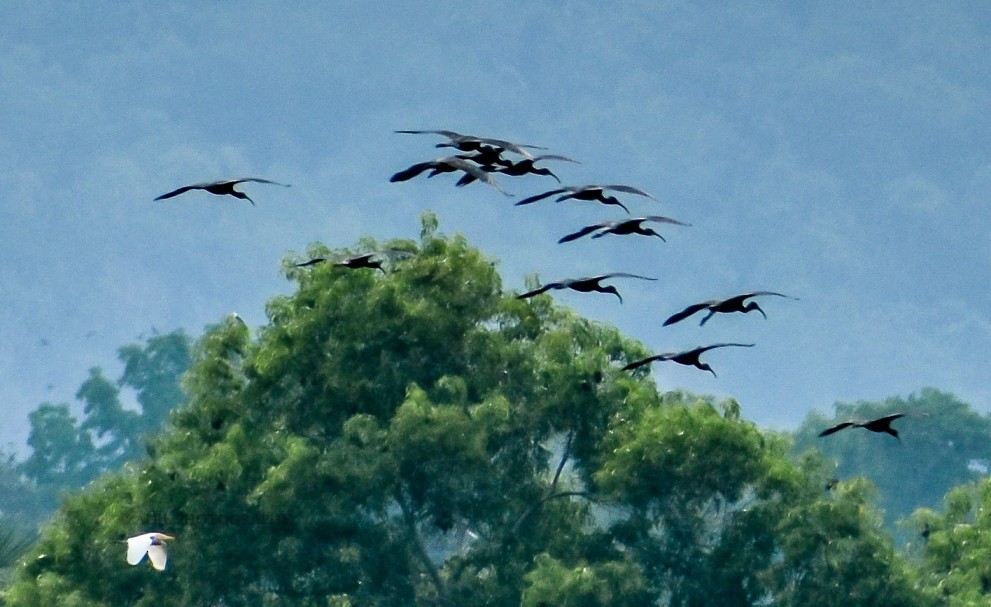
[944, 443]
[422, 438]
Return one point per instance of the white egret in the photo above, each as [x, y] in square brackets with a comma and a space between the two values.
[152, 544]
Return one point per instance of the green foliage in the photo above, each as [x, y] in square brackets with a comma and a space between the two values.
[421, 438]
[955, 548]
[941, 441]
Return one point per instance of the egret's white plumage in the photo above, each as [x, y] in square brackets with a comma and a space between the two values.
[152, 544]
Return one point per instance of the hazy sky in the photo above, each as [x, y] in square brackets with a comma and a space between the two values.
[837, 152]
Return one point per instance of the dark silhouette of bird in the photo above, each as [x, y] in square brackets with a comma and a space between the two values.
[623, 227]
[471, 143]
[881, 424]
[374, 260]
[737, 303]
[514, 169]
[221, 188]
[449, 164]
[689, 357]
[585, 285]
[595, 193]
[831, 484]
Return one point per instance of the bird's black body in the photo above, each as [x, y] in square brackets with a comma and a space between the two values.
[881, 424]
[449, 164]
[221, 188]
[596, 193]
[471, 143]
[513, 169]
[623, 227]
[374, 260]
[585, 285]
[688, 357]
[736, 303]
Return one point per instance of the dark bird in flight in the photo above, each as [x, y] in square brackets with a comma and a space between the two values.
[471, 143]
[449, 164]
[514, 169]
[623, 227]
[221, 188]
[595, 193]
[733, 304]
[881, 424]
[689, 357]
[373, 260]
[585, 285]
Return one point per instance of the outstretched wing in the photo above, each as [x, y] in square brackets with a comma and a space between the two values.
[449, 134]
[628, 189]
[692, 309]
[585, 230]
[714, 346]
[624, 274]
[540, 197]
[411, 172]
[182, 190]
[662, 219]
[554, 157]
[543, 289]
[257, 180]
[158, 554]
[475, 171]
[648, 360]
[888, 418]
[310, 262]
[836, 428]
[137, 547]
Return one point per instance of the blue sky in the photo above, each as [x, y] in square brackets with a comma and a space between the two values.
[831, 151]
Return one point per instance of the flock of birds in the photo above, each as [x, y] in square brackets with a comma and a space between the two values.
[481, 159]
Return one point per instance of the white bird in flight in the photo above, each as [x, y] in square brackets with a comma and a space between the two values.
[152, 544]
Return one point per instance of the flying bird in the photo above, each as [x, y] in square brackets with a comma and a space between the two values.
[366, 260]
[689, 357]
[471, 143]
[585, 285]
[152, 544]
[221, 188]
[737, 303]
[450, 164]
[514, 169]
[881, 424]
[595, 193]
[623, 227]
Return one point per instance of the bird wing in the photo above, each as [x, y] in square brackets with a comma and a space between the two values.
[137, 547]
[554, 157]
[692, 309]
[542, 196]
[545, 288]
[647, 361]
[518, 148]
[412, 171]
[756, 293]
[449, 134]
[181, 190]
[475, 171]
[888, 418]
[158, 554]
[662, 219]
[256, 180]
[628, 189]
[836, 428]
[310, 262]
[702, 349]
[584, 231]
[627, 275]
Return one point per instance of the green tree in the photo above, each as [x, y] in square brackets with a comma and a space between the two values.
[66, 453]
[944, 443]
[422, 438]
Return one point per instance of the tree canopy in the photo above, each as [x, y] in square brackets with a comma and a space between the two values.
[944, 443]
[421, 437]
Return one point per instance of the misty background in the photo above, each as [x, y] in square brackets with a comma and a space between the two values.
[836, 153]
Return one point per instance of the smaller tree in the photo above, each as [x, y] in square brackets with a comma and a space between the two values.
[944, 443]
